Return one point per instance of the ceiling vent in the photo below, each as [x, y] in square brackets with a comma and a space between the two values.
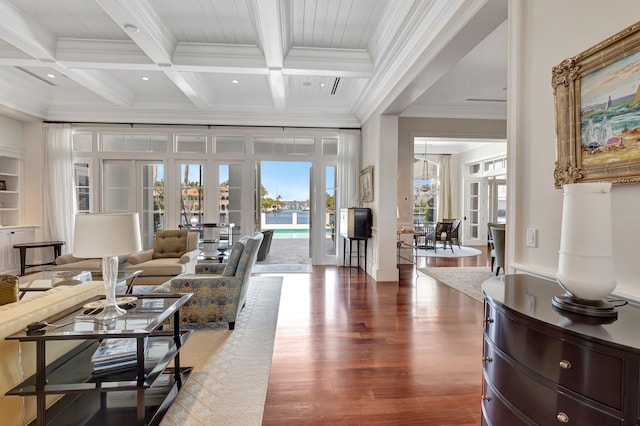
[44, 80]
[336, 83]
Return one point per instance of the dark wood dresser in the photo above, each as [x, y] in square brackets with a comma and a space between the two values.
[542, 366]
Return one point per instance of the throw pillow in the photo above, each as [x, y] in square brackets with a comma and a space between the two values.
[234, 258]
[170, 243]
[9, 289]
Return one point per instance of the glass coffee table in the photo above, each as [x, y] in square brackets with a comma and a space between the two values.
[46, 280]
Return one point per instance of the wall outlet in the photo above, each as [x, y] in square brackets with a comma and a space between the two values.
[532, 237]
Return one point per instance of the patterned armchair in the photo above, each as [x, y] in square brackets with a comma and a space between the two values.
[219, 289]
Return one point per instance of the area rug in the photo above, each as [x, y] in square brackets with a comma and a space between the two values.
[462, 251]
[273, 268]
[466, 280]
[228, 385]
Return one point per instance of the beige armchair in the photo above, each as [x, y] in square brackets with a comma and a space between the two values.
[174, 252]
[67, 262]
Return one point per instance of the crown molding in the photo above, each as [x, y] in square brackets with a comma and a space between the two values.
[484, 110]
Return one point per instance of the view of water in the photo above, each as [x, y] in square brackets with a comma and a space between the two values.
[286, 216]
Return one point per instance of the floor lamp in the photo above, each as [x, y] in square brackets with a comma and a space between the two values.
[107, 236]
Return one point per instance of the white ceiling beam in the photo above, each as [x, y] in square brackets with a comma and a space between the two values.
[223, 58]
[278, 93]
[102, 54]
[328, 62]
[26, 34]
[191, 85]
[269, 29]
[152, 36]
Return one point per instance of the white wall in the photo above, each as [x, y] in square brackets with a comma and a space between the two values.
[10, 135]
[546, 32]
[380, 149]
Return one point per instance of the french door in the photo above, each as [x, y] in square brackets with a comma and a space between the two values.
[136, 186]
[475, 208]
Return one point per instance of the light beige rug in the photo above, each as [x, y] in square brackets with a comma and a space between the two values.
[228, 385]
[467, 280]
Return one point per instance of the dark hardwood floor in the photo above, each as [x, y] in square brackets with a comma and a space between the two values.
[352, 351]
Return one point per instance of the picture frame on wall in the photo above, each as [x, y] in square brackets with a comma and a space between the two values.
[3, 185]
[597, 109]
[366, 184]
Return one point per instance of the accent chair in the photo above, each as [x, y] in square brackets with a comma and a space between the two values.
[219, 289]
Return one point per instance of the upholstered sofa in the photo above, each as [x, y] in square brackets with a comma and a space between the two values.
[18, 361]
[219, 289]
[174, 252]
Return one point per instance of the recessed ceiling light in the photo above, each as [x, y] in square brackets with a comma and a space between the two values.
[130, 28]
[306, 83]
[321, 84]
[234, 81]
[51, 75]
[145, 78]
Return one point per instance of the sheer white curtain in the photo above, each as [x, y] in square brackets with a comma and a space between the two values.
[59, 186]
[348, 168]
[348, 174]
[445, 193]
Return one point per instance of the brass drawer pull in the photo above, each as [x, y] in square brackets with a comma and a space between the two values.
[562, 417]
[565, 365]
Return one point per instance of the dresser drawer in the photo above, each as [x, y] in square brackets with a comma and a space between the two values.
[538, 400]
[587, 371]
[495, 412]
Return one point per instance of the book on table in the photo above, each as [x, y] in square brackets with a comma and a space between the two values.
[114, 354]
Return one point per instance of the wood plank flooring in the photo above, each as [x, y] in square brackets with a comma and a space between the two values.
[352, 351]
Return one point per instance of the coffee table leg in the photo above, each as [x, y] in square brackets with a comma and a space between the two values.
[23, 259]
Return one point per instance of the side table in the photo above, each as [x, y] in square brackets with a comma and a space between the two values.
[57, 249]
[140, 393]
[344, 250]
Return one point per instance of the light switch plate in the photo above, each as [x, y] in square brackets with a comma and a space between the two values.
[532, 237]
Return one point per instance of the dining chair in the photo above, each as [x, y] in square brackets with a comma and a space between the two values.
[498, 235]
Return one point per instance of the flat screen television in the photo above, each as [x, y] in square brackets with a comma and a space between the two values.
[355, 222]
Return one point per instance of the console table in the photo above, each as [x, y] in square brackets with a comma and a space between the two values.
[137, 395]
[544, 366]
[57, 248]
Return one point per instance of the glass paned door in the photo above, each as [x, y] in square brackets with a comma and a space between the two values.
[498, 200]
[152, 200]
[474, 211]
[118, 194]
[191, 194]
[230, 197]
[330, 211]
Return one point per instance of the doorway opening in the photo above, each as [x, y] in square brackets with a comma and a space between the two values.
[285, 207]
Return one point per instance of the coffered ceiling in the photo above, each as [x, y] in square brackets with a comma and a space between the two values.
[325, 63]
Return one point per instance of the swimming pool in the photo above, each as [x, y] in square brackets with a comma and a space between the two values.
[290, 233]
[293, 233]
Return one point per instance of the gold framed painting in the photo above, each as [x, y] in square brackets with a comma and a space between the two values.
[597, 109]
[366, 184]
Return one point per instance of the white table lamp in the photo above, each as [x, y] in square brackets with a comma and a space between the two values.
[107, 236]
[585, 263]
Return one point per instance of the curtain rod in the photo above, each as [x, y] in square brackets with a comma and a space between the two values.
[94, 123]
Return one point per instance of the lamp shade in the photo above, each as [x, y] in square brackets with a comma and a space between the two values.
[106, 234]
[585, 264]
